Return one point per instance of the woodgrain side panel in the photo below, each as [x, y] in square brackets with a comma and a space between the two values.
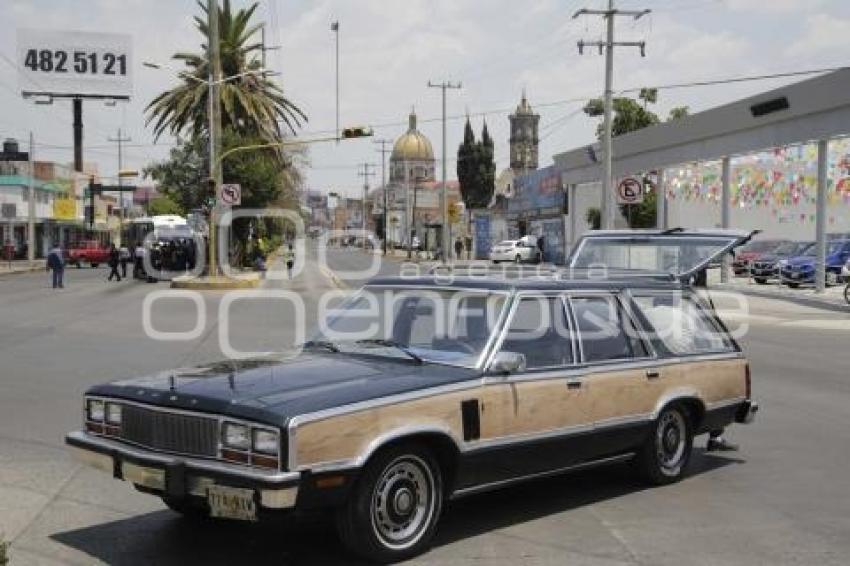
[520, 407]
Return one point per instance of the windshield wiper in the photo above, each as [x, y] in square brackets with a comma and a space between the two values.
[326, 344]
[391, 344]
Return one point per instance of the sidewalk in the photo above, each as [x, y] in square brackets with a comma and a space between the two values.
[20, 266]
[831, 299]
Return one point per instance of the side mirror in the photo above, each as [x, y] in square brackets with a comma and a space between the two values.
[506, 363]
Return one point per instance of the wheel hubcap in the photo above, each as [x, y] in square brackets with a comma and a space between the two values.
[670, 441]
[403, 502]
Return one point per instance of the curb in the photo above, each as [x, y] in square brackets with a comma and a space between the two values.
[802, 301]
[20, 271]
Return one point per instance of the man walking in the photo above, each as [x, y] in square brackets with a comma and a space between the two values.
[458, 249]
[56, 262]
[114, 259]
[123, 257]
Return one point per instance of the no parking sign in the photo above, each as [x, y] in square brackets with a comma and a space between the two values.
[630, 191]
[230, 195]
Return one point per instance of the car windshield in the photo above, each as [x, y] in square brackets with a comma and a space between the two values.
[670, 254]
[441, 326]
[789, 248]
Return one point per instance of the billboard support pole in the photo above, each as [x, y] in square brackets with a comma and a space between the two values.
[78, 134]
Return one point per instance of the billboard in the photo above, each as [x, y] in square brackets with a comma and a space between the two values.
[538, 194]
[75, 63]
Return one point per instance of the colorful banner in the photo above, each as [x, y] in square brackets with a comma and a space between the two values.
[784, 180]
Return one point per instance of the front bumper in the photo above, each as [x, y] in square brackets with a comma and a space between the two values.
[180, 476]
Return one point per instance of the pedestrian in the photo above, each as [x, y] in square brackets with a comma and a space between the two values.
[56, 262]
[123, 257]
[113, 263]
[458, 249]
[289, 258]
[139, 261]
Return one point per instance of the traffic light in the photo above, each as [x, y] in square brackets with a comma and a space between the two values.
[356, 132]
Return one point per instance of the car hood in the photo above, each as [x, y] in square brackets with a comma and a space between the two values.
[273, 391]
[770, 258]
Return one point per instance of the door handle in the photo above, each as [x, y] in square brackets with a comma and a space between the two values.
[653, 374]
[574, 385]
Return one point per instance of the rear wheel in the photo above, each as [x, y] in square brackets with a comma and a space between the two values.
[393, 511]
[518, 259]
[760, 280]
[665, 454]
[94, 265]
[793, 285]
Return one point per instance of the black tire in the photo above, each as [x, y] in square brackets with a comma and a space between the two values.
[793, 285]
[518, 259]
[760, 280]
[495, 261]
[847, 293]
[93, 265]
[664, 456]
[186, 507]
[393, 510]
[78, 265]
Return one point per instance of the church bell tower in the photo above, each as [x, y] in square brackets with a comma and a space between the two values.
[524, 140]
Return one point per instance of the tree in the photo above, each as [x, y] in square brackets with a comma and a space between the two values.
[476, 168]
[677, 113]
[648, 95]
[252, 105]
[629, 115]
[163, 205]
[593, 217]
[183, 176]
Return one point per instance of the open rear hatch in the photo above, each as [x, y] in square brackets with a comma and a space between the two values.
[681, 253]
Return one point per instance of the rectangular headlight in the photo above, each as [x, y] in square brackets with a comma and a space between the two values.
[266, 442]
[94, 410]
[113, 413]
[236, 436]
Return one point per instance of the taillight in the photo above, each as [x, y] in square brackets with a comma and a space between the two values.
[748, 381]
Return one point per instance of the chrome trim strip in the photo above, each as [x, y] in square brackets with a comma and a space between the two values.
[271, 476]
[548, 473]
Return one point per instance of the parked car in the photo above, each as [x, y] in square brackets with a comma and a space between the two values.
[801, 269]
[752, 252]
[517, 251]
[87, 251]
[766, 267]
[460, 385]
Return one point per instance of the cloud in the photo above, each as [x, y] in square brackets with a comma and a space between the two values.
[823, 33]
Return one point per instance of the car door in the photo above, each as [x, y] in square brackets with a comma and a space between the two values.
[535, 412]
[622, 372]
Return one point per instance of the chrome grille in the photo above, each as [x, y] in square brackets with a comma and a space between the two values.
[170, 432]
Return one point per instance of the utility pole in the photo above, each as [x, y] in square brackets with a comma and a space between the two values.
[264, 48]
[31, 207]
[365, 173]
[120, 141]
[446, 235]
[335, 29]
[214, 125]
[607, 208]
[384, 151]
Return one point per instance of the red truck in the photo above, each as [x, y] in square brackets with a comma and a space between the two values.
[88, 251]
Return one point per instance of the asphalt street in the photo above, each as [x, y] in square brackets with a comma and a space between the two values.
[782, 499]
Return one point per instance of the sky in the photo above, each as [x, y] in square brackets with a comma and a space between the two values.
[390, 49]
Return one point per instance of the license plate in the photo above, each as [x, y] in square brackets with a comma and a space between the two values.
[231, 503]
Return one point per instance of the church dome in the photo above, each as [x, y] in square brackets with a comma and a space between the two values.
[413, 145]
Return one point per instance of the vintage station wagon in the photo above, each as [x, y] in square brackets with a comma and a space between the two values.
[421, 389]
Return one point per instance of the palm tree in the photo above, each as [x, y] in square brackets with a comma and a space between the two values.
[252, 105]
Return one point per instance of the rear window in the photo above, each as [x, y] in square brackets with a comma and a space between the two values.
[605, 331]
[682, 325]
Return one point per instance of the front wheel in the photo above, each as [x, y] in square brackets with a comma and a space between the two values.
[393, 511]
[665, 454]
[518, 259]
[93, 265]
[847, 293]
[760, 280]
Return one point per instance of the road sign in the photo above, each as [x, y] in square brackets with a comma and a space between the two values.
[230, 195]
[75, 63]
[630, 191]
